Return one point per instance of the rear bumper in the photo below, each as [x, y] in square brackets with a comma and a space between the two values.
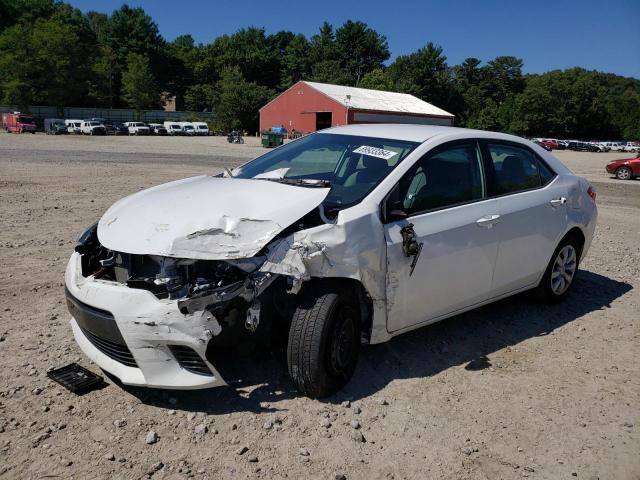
[137, 337]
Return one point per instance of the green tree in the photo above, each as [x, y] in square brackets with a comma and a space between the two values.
[361, 49]
[377, 80]
[295, 62]
[424, 74]
[238, 101]
[138, 84]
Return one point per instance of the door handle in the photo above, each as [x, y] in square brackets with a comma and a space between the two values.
[488, 221]
[556, 202]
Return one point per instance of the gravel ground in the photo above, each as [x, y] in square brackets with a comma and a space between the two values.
[511, 390]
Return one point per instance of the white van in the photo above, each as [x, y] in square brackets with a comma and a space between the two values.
[201, 128]
[173, 128]
[73, 126]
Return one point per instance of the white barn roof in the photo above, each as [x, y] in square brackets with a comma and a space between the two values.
[378, 100]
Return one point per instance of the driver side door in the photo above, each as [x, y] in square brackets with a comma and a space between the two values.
[447, 214]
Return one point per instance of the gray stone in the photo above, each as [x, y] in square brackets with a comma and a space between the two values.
[304, 452]
[242, 450]
[354, 424]
[110, 456]
[200, 429]
[152, 437]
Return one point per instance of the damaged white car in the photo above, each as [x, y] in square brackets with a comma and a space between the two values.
[347, 236]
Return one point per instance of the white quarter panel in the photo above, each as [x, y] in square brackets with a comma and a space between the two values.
[530, 228]
[454, 269]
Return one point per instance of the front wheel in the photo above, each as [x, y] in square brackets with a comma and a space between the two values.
[561, 271]
[623, 173]
[324, 340]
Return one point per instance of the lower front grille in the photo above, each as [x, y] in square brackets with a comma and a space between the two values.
[116, 351]
[190, 360]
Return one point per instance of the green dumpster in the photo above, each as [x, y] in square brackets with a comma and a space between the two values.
[272, 139]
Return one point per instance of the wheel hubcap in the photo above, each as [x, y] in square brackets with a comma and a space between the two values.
[623, 174]
[564, 269]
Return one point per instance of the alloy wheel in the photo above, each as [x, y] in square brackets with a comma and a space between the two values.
[564, 269]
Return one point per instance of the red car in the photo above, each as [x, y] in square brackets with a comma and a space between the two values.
[553, 144]
[625, 169]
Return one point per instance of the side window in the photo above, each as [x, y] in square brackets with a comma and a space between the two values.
[515, 169]
[449, 176]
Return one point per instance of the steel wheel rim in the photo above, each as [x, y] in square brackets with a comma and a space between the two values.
[624, 173]
[564, 269]
[341, 351]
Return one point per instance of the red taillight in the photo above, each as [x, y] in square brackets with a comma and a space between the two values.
[592, 193]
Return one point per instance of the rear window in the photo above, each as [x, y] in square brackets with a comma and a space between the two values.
[515, 169]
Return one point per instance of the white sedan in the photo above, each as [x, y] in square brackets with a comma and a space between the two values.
[351, 235]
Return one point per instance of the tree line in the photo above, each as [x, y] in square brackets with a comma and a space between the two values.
[53, 54]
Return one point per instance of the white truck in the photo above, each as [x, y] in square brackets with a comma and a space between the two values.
[93, 127]
[173, 128]
[73, 126]
[137, 128]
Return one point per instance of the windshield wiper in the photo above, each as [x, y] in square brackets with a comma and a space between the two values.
[300, 182]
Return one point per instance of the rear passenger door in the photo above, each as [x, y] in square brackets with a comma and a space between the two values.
[532, 208]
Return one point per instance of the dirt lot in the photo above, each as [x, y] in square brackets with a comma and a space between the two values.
[511, 390]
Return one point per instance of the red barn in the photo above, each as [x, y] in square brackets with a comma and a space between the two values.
[310, 106]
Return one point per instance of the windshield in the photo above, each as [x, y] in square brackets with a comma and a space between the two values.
[27, 120]
[353, 165]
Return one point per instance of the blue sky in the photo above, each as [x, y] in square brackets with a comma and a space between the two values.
[547, 34]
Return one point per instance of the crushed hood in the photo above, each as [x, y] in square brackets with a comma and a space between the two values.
[205, 218]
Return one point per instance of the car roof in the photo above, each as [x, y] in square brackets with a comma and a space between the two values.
[416, 133]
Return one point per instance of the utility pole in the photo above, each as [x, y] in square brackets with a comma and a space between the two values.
[346, 102]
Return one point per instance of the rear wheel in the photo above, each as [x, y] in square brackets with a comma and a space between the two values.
[561, 271]
[623, 173]
[324, 339]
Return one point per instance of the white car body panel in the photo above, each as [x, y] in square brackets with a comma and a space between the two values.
[454, 269]
[204, 218]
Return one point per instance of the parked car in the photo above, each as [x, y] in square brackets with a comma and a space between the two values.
[600, 146]
[92, 127]
[582, 147]
[201, 128]
[552, 144]
[173, 128]
[625, 168]
[157, 129]
[187, 129]
[73, 126]
[399, 227]
[615, 146]
[17, 122]
[137, 128]
[631, 147]
[55, 126]
[542, 144]
[116, 128]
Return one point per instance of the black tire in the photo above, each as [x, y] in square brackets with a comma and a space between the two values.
[624, 173]
[547, 290]
[324, 339]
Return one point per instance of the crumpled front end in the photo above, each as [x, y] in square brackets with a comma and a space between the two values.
[150, 320]
[159, 321]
